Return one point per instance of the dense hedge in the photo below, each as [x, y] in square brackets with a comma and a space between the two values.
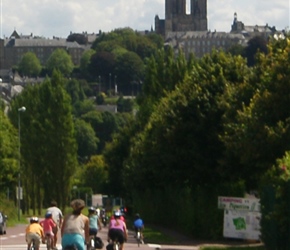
[193, 212]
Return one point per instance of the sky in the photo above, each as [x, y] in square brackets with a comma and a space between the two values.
[48, 18]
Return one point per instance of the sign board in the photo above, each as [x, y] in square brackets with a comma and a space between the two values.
[19, 193]
[241, 217]
[97, 200]
[241, 225]
[241, 204]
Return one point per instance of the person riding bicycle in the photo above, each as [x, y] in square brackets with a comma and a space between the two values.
[118, 229]
[34, 232]
[139, 225]
[121, 217]
[48, 225]
[94, 222]
[75, 227]
[57, 217]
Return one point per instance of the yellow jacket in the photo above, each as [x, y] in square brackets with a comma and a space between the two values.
[35, 228]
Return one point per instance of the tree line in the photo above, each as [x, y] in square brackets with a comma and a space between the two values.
[204, 128]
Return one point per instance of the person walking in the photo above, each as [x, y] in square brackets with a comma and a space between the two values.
[57, 217]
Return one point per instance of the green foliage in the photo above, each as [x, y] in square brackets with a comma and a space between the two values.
[122, 53]
[29, 65]
[95, 174]
[86, 140]
[75, 90]
[100, 98]
[163, 73]
[257, 133]
[8, 154]
[60, 60]
[129, 68]
[83, 107]
[85, 61]
[48, 141]
[275, 201]
[102, 64]
[191, 211]
[125, 105]
[255, 45]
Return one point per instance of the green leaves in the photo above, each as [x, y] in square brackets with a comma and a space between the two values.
[60, 60]
[29, 65]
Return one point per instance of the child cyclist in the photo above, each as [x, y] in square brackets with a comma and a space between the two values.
[139, 225]
[34, 232]
[48, 224]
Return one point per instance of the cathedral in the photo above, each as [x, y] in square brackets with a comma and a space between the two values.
[178, 19]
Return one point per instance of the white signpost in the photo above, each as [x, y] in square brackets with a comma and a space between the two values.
[241, 217]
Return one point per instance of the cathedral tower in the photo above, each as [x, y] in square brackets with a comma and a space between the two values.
[176, 18]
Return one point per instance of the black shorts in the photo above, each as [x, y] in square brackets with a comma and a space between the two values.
[138, 229]
[93, 231]
[117, 234]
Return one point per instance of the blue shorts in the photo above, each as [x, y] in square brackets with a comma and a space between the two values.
[73, 239]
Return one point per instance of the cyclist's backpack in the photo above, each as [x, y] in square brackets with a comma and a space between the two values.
[99, 243]
[110, 246]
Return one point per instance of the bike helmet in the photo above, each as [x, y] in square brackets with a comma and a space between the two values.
[92, 209]
[48, 214]
[117, 214]
[34, 220]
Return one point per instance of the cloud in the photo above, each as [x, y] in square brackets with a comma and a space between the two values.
[59, 17]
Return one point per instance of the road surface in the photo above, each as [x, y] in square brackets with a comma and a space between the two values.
[15, 240]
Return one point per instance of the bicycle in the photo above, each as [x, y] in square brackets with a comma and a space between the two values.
[48, 239]
[32, 247]
[115, 243]
[91, 245]
[138, 238]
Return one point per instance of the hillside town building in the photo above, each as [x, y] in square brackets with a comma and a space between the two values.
[189, 31]
[13, 48]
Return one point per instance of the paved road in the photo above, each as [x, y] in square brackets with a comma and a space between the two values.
[15, 239]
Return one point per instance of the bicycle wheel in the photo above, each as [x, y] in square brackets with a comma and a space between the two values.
[48, 243]
[32, 245]
[92, 243]
[116, 246]
[138, 238]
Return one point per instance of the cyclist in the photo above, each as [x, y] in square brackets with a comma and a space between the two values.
[121, 217]
[75, 227]
[57, 217]
[48, 226]
[118, 229]
[94, 222]
[34, 232]
[139, 225]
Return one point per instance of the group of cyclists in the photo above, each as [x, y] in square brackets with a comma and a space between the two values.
[77, 228]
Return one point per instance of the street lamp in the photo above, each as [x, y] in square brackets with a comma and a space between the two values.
[99, 84]
[110, 85]
[22, 109]
[116, 88]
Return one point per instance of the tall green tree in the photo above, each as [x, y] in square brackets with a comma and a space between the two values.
[9, 160]
[95, 174]
[85, 61]
[260, 133]
[129, 69]
[86, 140]
[48, 148]
[60, 60]
[29, 65]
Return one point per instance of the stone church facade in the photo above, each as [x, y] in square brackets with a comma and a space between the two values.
[177, 18]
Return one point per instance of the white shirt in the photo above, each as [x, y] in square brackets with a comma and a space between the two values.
[56, 214]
